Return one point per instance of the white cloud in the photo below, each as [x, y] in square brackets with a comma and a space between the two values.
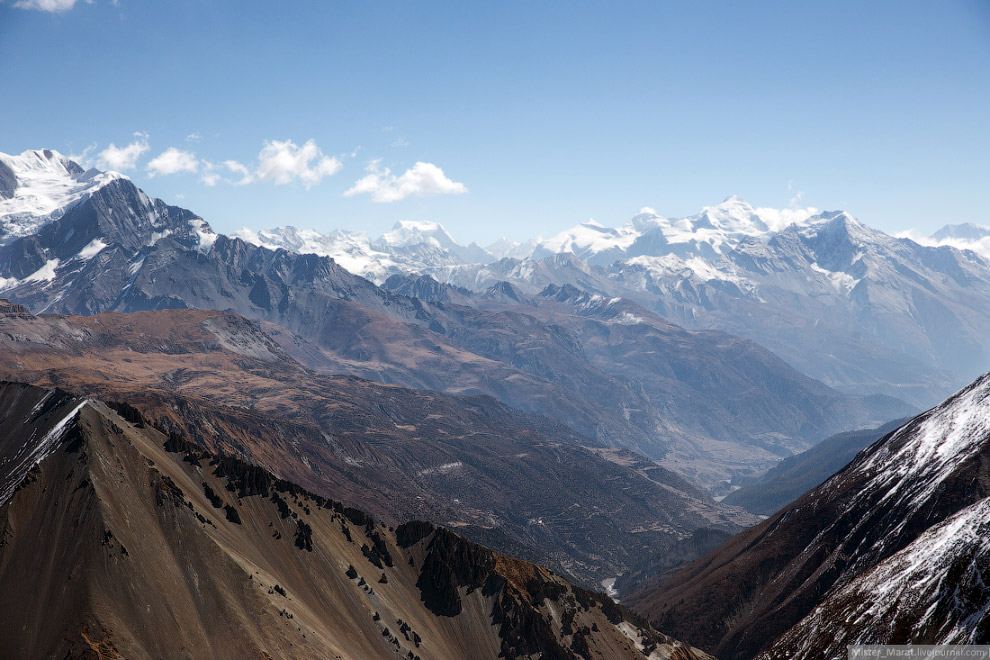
[194, 137]
[85, 158]
[123, 158]
[981, 246]
[237, 168]
[284, 162]
[778, 219]
[173, 161]
[421, 179]
[46, 5]
[280, 162]
[210, 177]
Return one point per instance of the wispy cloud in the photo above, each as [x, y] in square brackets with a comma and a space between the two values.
[52, 6]
[421, 179]
[85, 158]
[239, 169]
[194, 137]
[172, 161]
[123, 158]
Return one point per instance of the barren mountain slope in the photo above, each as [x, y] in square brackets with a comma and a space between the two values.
[121, 542]
[738, 599]
[504, 477]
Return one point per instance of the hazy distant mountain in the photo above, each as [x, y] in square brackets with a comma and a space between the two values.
[711, 407]
[890, 550]
[409, 247]
[796, 475]
[851, 306]
[152, 547]
[965, 231]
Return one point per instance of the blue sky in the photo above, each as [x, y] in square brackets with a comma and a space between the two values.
[526, 118]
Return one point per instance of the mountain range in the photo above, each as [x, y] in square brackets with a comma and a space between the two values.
[514, 481]
[707, 405]
[858, 309]
[288, 444]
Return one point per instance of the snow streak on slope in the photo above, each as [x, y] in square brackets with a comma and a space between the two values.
[917, 459]
[935, 591]
[33, 452]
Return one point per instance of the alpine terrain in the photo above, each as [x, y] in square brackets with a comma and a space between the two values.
[890, 550]
[120, 541]
[709, 406]
[858, 309]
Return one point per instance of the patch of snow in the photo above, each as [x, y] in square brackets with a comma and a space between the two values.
[608, 584]
[136, 266]
[157, 236]
[441, 469]
[843, 282]
[207, 237]
[91, 249]
[893, 592]
[950, 434]
[44, 274]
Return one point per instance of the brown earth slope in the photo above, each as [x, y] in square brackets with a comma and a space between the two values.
[507, 479]
[121, 542]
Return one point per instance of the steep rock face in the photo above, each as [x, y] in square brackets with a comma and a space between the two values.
[769, 578]
[154, 548]
[510, 479]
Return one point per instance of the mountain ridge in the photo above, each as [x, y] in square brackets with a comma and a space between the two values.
[776, 575]
[156, 548]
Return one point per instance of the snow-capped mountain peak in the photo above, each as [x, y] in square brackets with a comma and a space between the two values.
[353, 250]
[966, 231]
[38, 186]
[506, 248]
[416, 232]
[733, 216]
[590, 238]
